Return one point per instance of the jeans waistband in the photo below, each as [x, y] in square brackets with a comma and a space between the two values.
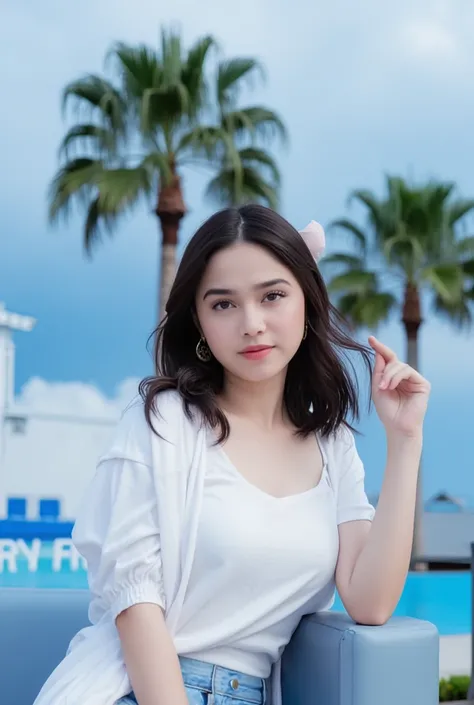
[223, 681]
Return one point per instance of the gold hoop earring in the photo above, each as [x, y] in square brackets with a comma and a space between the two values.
[203, 351]
[305, 330]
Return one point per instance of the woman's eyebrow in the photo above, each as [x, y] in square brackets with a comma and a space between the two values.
[231, 292]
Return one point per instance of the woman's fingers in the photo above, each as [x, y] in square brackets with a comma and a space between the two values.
[399, 377]
[396, 372]
[386, 352]
[393, 371]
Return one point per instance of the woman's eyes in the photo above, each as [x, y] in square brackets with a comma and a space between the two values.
[276, 294]
[221, 305]
[271, 297]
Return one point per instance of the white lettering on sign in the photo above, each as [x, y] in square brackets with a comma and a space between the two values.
[8, 554]
[64, 550]
[31, 553]
[56, 556]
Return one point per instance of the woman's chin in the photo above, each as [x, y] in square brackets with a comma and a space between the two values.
[259, 373]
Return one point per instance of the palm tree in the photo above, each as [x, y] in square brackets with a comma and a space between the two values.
[413, 245]
[135, 134]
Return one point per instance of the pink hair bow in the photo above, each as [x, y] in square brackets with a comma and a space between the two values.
[315, 239]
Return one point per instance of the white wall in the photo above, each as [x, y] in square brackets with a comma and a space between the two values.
[51, 460]
[58, 458]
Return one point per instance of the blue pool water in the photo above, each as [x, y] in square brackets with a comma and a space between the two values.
[443, 598]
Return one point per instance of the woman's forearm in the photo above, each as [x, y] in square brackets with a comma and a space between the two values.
[150, 656]
[380, 571]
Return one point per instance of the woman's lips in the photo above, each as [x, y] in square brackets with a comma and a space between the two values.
[256, 352]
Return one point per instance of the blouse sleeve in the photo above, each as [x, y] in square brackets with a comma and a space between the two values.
[352, 501]
[117, 533]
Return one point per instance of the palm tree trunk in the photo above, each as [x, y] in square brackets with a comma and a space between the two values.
[411, 319]
[170, 210]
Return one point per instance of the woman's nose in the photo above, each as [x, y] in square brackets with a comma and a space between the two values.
[252, 322]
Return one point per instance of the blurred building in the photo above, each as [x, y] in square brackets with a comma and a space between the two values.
[46, 458]
[448, 530]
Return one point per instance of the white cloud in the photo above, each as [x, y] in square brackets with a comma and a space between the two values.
[435, 35]
[77, 398]
[431, 41]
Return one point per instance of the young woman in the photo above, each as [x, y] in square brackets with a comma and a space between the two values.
[231, 502]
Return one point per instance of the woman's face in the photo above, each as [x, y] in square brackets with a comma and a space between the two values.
[251, 311]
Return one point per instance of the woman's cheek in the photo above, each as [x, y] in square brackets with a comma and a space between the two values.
[218, 333]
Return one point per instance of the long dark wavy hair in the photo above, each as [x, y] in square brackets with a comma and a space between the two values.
[321, 389]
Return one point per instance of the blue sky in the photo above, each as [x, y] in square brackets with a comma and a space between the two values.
[363, 90]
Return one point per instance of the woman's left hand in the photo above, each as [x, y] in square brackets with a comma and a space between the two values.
[400, 394]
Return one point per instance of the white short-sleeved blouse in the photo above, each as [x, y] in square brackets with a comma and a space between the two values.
[170, 521]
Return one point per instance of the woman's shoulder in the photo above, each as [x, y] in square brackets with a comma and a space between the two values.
[340, 444]
[134, 433]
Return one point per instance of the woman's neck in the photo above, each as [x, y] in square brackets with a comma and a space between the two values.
[259, 402]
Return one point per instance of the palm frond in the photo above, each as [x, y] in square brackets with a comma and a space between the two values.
[172, 56]
[350, 261]
[458, 312]
[260, 159]
[92, 226]
[446, 280]
[349, 227]
[229, 78]
[209, 141]
[93, 95]
[437, 194]
[247, 175]
[368, 310]
[468, 268]
[137, 67]
[465, 247]
[353, 281]
[158, 167]
[76, 181]
[152, 85]
[256, 121]
[459, 209]
[101, 140]
[105, 193]
[120, 189]
[248, 186]
[404, 251]
[118, 192]
[370, 201]
[193, 74]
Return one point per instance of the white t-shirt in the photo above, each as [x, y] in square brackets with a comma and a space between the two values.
[260, 564]
[171, 523]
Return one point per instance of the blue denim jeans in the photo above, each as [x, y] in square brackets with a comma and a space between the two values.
[207, 684]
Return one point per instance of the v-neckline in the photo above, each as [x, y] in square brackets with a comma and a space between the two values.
[323, 480]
